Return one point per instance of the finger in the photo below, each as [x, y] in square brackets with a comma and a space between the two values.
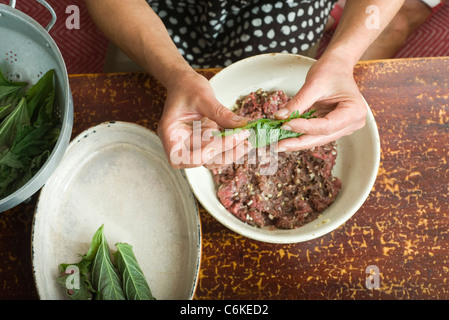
[217, 148]
[305, 142]
[303, 100]
[234, 155]
[173, 141]
[202, 134]
[344, 115]
[181, 155]
[219, 145]
[333, 122]
[223, 116]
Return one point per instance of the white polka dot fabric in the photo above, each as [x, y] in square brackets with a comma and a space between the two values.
[217, 33]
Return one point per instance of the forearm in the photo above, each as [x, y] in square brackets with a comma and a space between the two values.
[356, 32]
[134, 27]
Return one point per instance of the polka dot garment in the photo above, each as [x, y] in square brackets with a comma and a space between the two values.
[217, 33]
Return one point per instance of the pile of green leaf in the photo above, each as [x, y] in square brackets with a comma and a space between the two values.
[28, 130]
[264, 131]
[100, 277]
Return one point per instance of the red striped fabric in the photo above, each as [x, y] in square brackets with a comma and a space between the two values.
[84, 49]
[431, 39]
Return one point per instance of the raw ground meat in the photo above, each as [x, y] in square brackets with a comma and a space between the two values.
[299, 186]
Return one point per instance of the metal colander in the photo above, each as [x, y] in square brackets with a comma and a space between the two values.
[27, 52]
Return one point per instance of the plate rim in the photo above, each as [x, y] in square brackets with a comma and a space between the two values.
[191, 196]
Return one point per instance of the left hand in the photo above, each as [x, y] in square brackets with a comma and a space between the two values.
[191, 113]
[330, 89]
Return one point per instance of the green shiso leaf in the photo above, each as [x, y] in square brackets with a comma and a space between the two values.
[264, 131]
[105, 279]
[135, 285]
[29, 130]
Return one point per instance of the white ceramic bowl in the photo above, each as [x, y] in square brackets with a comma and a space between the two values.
[357, 161]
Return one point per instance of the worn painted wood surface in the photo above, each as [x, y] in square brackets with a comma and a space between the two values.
[402, 228]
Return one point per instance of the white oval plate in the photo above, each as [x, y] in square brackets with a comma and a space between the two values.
[116, 174]
[357, 161]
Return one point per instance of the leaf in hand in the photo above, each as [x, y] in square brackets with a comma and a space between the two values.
[135, 285]
[264, 132]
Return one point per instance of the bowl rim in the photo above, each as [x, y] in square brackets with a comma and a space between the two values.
[275, 235]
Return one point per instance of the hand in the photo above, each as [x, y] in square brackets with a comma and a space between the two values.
[191, 113]
[331, 90]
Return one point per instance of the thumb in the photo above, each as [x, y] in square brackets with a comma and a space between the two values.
[303, 100]
[224, 117]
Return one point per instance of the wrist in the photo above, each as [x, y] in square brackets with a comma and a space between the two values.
[178, 76]
[345, 51]
[337, 61]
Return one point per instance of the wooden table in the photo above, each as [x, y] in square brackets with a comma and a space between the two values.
[402, 228]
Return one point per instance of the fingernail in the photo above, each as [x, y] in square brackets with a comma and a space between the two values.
[237, 118]
[286, 127]
[281, 113]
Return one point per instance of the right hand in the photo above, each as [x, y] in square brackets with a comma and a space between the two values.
[331, 90]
